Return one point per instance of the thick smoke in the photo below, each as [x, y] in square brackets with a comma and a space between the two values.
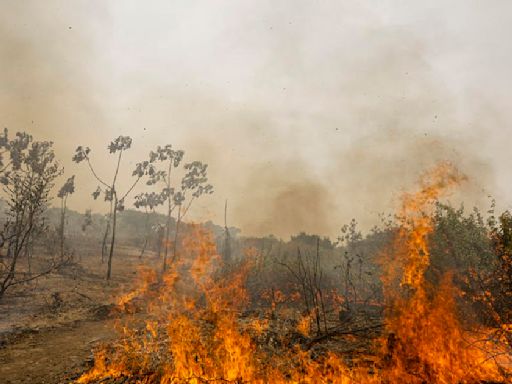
[361, 182]
[307, 115]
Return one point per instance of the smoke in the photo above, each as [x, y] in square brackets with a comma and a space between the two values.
[52, 79]
[49, 69]
[361, 182]
[308, 114]
[381, 117]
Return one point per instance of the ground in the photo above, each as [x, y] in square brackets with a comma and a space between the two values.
[54, 355]
[49, 327]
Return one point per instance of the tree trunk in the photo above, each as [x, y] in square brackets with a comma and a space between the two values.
[104, 243]
[62, 220]
[160, 239]
[112, 242]
[176, 232]
[28, 255]
[146, 235]
[143, 248]
[167, 236]
[9, 276]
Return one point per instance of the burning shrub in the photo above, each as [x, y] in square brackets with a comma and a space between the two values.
[197, 331]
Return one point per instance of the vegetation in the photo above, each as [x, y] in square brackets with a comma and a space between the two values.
[194, 184]
[110, 191]
[28, 173]
[431, 269]
[67, 189]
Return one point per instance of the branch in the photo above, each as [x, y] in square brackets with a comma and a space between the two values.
[341, 332]
[117, 168]
[294, 274]
[131, 188]
[188, 206]
[6, 166]
[94, 173]
[46, 272]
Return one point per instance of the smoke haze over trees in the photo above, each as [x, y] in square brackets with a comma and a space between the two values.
[283, 96]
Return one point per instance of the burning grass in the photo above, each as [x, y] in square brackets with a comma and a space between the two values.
[197, 328]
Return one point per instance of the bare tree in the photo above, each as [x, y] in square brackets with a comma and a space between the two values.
[350, 235]
[308, 275]
[111, 193]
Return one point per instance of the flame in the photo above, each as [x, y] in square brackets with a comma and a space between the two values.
[196, 332]
[146, 278]
[426, 342]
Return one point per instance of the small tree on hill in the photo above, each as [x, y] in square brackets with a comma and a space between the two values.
[110, 189]
[193, 184]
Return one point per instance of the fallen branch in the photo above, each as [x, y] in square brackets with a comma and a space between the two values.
[341, 332]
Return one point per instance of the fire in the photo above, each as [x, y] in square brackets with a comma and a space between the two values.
[196, 331]
[146, 278]
[426, 342]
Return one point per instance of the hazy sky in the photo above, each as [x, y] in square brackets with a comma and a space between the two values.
[308, 113]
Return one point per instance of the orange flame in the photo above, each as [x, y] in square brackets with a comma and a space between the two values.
[426, 342]
[196, 333]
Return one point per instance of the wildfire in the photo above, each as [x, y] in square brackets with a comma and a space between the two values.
[196, 332]
[426, 342]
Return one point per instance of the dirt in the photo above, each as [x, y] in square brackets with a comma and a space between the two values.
[49, 328]
[53, 356]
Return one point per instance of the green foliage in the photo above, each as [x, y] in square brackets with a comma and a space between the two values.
[477, 252]
[499, 283]
[459, 243]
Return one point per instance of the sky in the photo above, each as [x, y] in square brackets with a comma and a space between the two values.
[309, 113]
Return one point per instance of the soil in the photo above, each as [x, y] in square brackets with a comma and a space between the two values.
[53, 356]
[49, 328]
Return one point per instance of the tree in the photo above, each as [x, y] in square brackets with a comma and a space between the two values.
[149, 201]
[67, 189]
[111, 194]
[349, 237]
[499, 282]
[28, 171]
[159, 230]
[87, 222]
[308, 275]
[193, 184]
